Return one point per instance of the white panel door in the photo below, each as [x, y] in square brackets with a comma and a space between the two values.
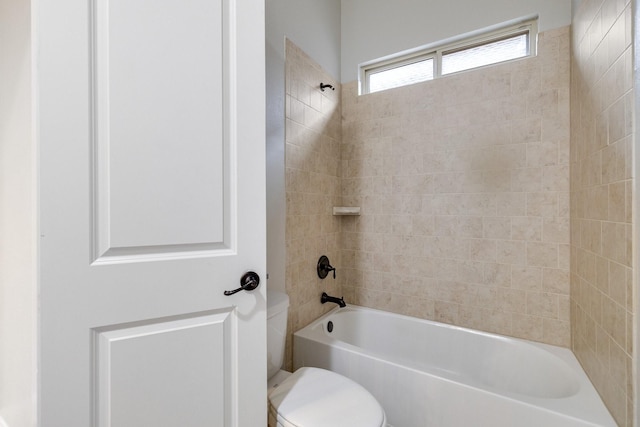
[150, 121]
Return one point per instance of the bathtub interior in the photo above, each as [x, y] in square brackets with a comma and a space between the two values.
[496, 362]
[440, 368]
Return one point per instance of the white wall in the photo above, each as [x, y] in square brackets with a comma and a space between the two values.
[314, 26]
[375, 28]
[17, 219]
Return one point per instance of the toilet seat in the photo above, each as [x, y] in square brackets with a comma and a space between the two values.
[313, 397]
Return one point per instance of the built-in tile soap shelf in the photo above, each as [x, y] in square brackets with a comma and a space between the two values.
[346, 210]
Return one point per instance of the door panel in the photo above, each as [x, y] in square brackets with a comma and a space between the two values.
[150, 125]
[161, 126]
[188, 353]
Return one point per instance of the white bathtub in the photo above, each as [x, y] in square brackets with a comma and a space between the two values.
[428, 374]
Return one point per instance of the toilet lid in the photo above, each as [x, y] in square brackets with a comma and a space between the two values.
[316, 397]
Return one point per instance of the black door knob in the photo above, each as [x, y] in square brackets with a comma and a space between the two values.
[248, 282]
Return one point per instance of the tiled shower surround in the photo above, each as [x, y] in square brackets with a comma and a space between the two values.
[463, 183]
[468, 216]
[601, 192]
[313, 136]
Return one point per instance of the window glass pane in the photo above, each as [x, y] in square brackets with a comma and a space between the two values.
[400, 76]
[490, 53]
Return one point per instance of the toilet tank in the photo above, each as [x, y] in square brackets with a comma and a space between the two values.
[277, 308]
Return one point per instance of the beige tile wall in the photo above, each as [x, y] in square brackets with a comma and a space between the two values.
[464, 187]
[601, 188]
[313, 136]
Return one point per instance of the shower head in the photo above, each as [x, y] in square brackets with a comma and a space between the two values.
[323, 86]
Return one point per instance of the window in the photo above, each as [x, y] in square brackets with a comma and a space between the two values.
[466, 58]
[509, 41]
[401, 74]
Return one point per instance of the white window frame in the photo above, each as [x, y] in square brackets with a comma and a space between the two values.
[527, 25]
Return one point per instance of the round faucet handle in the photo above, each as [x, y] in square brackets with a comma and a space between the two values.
[324, 267]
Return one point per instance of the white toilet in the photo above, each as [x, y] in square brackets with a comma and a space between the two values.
[311, 397]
